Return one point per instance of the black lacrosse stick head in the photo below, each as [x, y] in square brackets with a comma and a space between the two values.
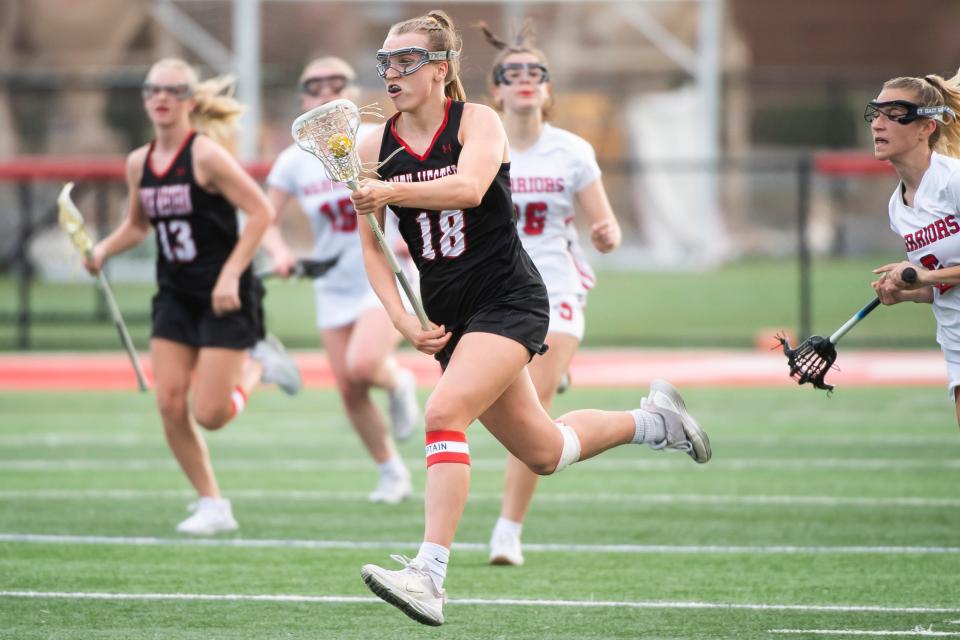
[810, 360]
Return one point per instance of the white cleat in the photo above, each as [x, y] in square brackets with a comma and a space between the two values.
[505, 549]
[683, 432]
[210, 516]
[391, 489]
[404, 410]
[564, 383]
[411, 590]
[278, 367]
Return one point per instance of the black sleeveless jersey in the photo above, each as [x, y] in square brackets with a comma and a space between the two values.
[469, 258]
[196, 230]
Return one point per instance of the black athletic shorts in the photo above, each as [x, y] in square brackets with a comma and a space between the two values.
[524, 322]
[189, 319]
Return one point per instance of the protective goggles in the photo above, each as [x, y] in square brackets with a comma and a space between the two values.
[905, 112]
[179, 91]
[516, 71]
[408, 60]
[313, 87]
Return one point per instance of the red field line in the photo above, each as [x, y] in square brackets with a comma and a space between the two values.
[591, 368]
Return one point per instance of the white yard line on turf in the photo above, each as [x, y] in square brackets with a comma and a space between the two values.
[560, 498]
[919, 632]
[487, 464]
[627, 604]
[260, 543]
[319, 438]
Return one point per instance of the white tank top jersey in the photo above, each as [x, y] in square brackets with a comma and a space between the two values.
[332, 217]
[931, 235]
[544, 180]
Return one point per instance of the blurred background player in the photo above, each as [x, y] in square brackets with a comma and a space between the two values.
[914, 125]
[206, 312]
[553, 173]
[357, 334]
[489, 311]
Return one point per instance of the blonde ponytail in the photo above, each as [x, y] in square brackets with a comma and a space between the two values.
[217, 112]
[932, 91]
[441, 36]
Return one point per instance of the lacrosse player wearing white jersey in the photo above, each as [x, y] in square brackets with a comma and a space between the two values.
[553, 175]
[914, 125]
[357, 333]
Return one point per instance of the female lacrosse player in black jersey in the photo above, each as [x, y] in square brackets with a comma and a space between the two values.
[445, 173]
[206, 313]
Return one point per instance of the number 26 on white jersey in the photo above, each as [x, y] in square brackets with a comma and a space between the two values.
[452, 242]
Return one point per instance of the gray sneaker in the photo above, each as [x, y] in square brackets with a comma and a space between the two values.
[278, 367]
[683, 432]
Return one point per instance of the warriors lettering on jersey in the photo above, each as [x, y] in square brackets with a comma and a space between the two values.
[425, 175]
[166, 201]
[938, 230]
[536, 184]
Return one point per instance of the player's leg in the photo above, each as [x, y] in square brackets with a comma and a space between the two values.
[370, 361]
[365, 417]
[520, 482]
[482, 366]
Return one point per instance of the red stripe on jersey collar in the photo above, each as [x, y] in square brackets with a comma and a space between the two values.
[443, 125]
[163, 174]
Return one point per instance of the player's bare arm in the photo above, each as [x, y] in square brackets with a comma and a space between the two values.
[218, 171]
[484, 150]
[135, 226]
[604, 229]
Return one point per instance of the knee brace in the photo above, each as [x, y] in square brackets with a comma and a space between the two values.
[571, 447]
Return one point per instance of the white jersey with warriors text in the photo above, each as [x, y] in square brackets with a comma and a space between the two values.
[930, 230]
[332, 217]
[544, 180]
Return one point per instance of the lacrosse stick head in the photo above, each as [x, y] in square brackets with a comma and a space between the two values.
[71, 221]
[810, 360]
[329, 132]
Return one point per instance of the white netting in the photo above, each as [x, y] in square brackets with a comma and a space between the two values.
[330, 133]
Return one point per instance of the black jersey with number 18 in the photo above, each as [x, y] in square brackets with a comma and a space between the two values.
[196, 229]
[468, 259]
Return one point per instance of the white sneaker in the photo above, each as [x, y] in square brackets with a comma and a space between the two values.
[683, 432]
[210, 516]
[505, 549]
[391, 489]
[404, 411]
[411, 590]
[278, 367]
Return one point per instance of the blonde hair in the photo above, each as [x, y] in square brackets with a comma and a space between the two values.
[339, 65]
[522, 43]
[932, 91]
[217, 112]
[441, 36]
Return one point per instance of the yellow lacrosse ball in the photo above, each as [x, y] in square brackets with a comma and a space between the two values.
[339, 145]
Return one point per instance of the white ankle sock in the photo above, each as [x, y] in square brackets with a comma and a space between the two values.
[508, 527]
[649, 427]
[435, 558]
[393, 467]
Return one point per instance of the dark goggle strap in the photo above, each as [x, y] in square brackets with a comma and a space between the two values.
[941, 113]
[499, 73]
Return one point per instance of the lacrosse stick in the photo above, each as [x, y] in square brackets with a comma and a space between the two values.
[72, 223]
[304, 268]
[329, 132]
[814, 357]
